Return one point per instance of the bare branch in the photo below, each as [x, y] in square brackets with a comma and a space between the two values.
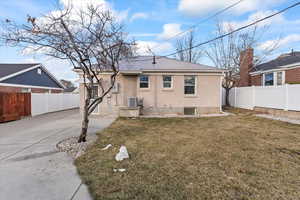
[91, 39]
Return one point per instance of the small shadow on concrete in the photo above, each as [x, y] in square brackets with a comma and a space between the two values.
[34, 156]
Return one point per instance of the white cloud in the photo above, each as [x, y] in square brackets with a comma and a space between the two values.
[293, 38]
[169, 30]
[136, 16]
[84, 3]
[61, 69]
[143, 34]
[196, 8]
[77, 5]
[278, 19]
[159, 48]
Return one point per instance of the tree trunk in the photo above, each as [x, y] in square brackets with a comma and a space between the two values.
[227, 90]
[85, 123]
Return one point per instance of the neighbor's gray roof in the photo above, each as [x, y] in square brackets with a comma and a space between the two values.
[8, 69]
[144, 63]
[70, 89]
[285, 59]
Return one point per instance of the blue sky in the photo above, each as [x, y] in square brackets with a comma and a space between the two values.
[152, 23]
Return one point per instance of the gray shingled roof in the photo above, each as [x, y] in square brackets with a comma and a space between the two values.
[285, 59]
[70, 89]
[162, 63]
[8, 69]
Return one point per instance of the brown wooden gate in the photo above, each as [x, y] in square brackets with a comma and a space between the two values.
[14, 106]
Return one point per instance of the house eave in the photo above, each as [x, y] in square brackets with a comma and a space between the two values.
[29, 86]
[283, 67]
[137, 72]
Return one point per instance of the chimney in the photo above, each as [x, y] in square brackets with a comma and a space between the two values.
[154, 60]
[246, 63]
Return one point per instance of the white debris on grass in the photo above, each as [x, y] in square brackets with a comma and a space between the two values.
[119, 170]
[123, 154]
[107, 147]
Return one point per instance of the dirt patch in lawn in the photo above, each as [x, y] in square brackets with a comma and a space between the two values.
[233, 157]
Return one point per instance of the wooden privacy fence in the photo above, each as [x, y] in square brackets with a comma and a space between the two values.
[13, 106]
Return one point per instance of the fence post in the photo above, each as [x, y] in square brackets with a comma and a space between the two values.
[234, 97]
[286, 108]
[253, 97]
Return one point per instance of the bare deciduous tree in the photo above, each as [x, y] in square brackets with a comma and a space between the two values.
[186, 52]
[90, 38]
[225, 52]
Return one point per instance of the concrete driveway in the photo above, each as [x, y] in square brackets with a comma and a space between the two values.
[31, 168]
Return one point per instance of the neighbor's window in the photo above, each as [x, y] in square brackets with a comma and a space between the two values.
[279, 78]
[167, 81]
[189, 85]
[269, 79]
[26, 90]
[95, 93]
[144, 81]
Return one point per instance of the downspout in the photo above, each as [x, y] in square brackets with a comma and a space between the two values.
[155, 84]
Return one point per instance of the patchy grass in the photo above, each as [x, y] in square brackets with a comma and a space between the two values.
[233, 157]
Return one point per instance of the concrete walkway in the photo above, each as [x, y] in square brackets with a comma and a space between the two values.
[31, 168]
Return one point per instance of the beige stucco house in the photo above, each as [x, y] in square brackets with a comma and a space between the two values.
[161, 86]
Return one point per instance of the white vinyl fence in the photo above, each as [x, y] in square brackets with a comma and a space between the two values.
[286, 97]
[46, 103]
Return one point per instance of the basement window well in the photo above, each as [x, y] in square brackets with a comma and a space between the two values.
[189, 111]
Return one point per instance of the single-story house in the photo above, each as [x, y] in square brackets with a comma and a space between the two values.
[161, 86]
[284, 69]
[32, 77]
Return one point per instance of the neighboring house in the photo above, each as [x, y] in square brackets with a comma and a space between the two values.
[284, 69]
[69, 86]
[161, 87]
[28, 78]
[70, 90]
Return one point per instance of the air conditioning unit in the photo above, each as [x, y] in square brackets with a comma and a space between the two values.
[132, 102]
[115, 89]
[140, 102]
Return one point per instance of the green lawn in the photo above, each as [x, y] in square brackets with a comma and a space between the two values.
[233, 157]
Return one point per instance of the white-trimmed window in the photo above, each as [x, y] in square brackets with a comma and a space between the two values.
[95, 92]
[144, 81]
[269, 79]
[167, 82]
[189, 85]
[273, 78]
[279, 77]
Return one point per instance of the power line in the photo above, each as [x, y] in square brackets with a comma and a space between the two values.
[237, 30]
[230, 33]
[202, 21]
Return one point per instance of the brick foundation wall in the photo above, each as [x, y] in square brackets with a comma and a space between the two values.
[292, 76]
[256, 80]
